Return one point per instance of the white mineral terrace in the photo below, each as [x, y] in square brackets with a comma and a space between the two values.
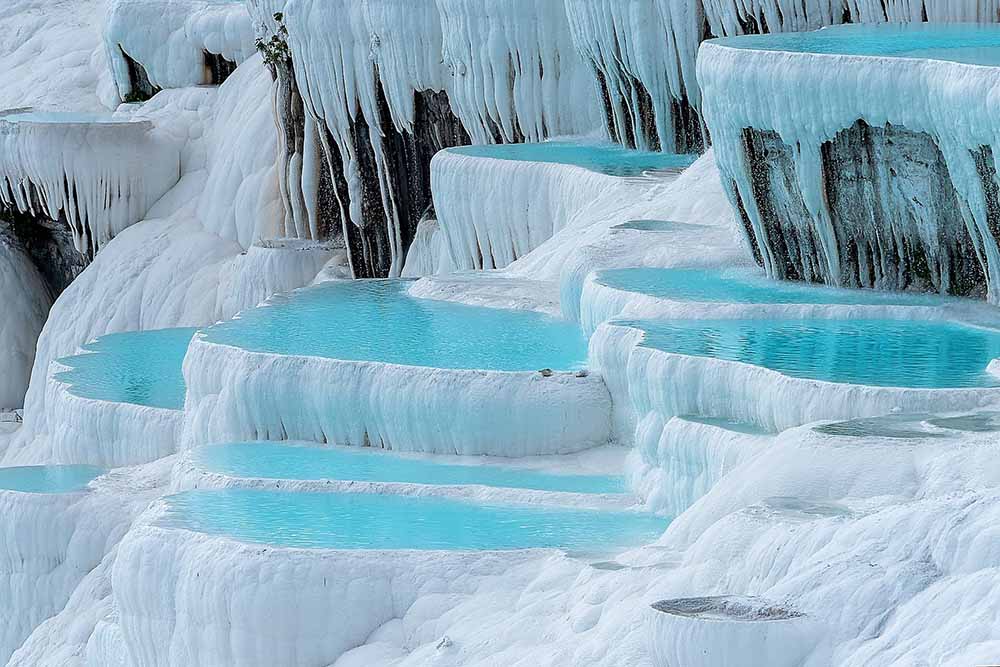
[98, 172]
[591, 430]
[807, 89]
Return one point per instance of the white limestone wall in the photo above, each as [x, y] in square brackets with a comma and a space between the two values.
[235, 395]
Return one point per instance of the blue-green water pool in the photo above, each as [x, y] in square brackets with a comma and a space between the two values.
[719, 286]
[139, 367]
[610, 159]
[376, 320]
[367, 521]
[48, 479]
[977, 44]
[875, 352]
[273, 460]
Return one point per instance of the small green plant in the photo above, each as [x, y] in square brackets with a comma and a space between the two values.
[133, 97]
[275, 50]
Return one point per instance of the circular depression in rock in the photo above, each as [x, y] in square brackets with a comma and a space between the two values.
[48, 478]
[376, 320]
[138, 367]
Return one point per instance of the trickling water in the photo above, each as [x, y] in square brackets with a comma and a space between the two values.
[139, 367]
[610, 159]
[365, 521]
[376, 320]
[888, 353]
[48, 479]
[300, 462]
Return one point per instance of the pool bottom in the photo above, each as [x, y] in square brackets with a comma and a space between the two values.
[378, 321]
[135, 367]
[874, 352]
[742, 286]
[345, 521]
[48, 479]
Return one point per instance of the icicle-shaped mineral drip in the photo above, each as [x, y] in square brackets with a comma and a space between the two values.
[406, 44]
[809, 169]
[625, 42]
[100, 177]
[516, 72]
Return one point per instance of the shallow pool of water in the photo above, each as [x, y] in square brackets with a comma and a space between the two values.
[977, 44]
[272, 460]
[376, 320]
[899, 427]
[658, 226]
[48, 479]
[610, 159]
[715, 286]
[876, 352]
[366, 521]
[139, 367]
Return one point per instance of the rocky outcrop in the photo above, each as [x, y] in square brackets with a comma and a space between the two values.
[48, 244]
[893, 211]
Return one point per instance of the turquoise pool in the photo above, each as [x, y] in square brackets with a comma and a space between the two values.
[271, 460]
[376, 320]
[977, 44]
[876, 352]
[715, 286]
[610, 159]
[367, 521]
[139, 367]
[48, 479]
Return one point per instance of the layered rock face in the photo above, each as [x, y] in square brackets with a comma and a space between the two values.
[895, 214]
[49, 245]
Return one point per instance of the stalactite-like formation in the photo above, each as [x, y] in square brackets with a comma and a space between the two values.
[98, 174]
[862, 171]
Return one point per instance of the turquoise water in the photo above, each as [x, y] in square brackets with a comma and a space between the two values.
[886, 353]
[375, 320]
[656, 226]
[139, 367]
[283, 461]
[47, 479]
[367, 521]
[977, 44]
[610, 159]
[715, 286]
[62, 117]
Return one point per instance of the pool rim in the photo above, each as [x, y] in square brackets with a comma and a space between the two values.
[727, 43]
